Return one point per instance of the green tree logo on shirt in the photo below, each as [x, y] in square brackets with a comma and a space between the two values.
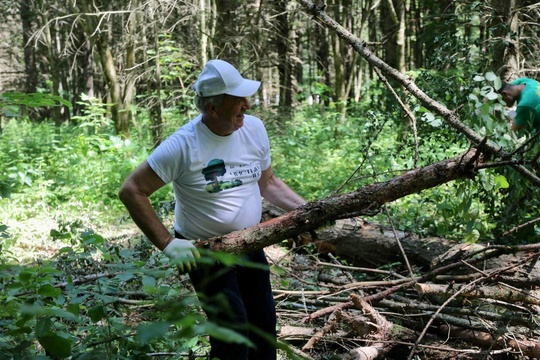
[215, 169]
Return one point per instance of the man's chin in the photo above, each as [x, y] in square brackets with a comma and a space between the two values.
[239, 121]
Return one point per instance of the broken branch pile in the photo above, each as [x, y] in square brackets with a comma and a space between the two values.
[473, 303]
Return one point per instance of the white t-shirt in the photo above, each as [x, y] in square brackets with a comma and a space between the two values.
[214, 177]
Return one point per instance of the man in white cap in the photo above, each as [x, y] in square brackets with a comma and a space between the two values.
[219, 166]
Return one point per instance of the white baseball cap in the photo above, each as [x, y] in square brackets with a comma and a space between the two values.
[219, 77]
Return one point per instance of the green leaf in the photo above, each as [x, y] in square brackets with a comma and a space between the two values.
[492, 95]
[472, 237]
[49, 290]
[43, 327]
[497, 83]
[56, 345]
[147, 332]
[33, 99]
[5, 190]
[97, 313]
[501, 182]
[91, 238]
[226, 334]
[63, 314]
[491, 76]
[149, 282]
[478, 78]
[25, 277]
[125, 276]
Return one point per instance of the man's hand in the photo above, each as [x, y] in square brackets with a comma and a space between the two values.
[182, 253]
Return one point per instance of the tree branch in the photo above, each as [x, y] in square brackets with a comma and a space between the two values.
[448, 115]
[367, 198]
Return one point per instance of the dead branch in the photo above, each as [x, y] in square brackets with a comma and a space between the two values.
[367, 198]
[525, 347]
[330, 326]
[492, 292]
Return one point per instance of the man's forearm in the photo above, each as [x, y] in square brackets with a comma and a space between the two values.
[144, 215]
[280, 194]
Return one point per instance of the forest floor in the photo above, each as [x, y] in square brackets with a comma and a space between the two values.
[314, 292]
[321, 314]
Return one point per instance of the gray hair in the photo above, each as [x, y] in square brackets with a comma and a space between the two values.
[201, 102]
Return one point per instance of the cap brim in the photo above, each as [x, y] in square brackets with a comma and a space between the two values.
[246, 88]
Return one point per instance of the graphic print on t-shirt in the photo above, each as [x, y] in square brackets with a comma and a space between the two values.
[216, 168]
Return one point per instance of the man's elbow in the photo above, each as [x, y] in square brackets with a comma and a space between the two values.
[125, 192]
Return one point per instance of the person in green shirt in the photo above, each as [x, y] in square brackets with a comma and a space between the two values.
[526, 93]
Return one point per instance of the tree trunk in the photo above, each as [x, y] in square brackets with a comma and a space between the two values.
[506, 46]
[283, 43]
[27, 17]
[203, 28]
[393, 25]
[343, 56]
[227, 39]
[322, 59]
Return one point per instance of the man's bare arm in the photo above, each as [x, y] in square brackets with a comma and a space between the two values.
[277, 192]
[135, 193]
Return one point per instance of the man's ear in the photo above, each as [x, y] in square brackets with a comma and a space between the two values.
[211, 109]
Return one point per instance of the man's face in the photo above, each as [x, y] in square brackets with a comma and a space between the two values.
[230, 113]
[507, 98]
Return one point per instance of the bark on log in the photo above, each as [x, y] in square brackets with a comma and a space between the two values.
[526, 347]
[366, 199]
[511, 295]
[357, 241]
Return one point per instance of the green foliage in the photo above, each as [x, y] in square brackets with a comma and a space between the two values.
[75, 304]
[174, 65]
[11, 102]
[43, 164]
[316, 153]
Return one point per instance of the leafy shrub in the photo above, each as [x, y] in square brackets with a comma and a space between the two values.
[97, 298]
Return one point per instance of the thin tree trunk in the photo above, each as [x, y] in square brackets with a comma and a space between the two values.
[27, 17]
[506, 49]
[283, 43]
[203, 32]
[155, 81]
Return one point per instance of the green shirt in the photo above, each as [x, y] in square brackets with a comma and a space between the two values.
[528, 104]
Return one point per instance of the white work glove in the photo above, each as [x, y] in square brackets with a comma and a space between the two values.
[182, 253]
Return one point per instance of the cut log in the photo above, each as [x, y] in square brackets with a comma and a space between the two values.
[358, 240]
[364, 353]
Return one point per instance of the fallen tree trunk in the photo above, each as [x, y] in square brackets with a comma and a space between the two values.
[368, 198]
[356, 240]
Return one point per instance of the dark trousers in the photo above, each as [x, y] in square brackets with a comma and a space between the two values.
[239, 298]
